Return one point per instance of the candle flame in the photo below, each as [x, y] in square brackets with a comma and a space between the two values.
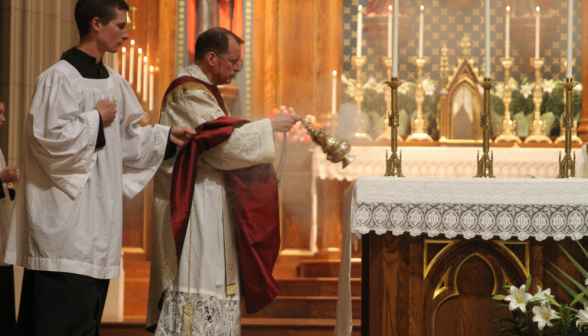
[359, 8]
[508, 8]
[145, 59]
[140, 50]
[151, 68]
[390, 7]
[538, 9]
[132, 42]
[124, 49]
[422, 7]
[334, 72]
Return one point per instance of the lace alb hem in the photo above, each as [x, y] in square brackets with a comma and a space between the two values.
[212, 316]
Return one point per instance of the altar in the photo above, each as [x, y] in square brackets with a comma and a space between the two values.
[436, 249]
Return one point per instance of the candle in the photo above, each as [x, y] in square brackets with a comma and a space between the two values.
[359, 30]
[570, 33]
[507, 34]
[124, 62]
[487, 58]
[139, 66]
[395, 41]
[151, 86]
[421, 31]
[537, 26]
[389, 31]
[132, 60]
[334, 102]
[145, 70]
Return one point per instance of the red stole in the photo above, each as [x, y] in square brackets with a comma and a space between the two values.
[254, 195]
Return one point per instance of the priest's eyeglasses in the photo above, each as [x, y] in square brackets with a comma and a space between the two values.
[235, 64]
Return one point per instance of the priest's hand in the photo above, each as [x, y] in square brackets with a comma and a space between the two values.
[283, 122]
[107, 110]
[9, 174]
[179, 134]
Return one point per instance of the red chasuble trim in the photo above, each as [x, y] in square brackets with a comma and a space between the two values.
[254, 195]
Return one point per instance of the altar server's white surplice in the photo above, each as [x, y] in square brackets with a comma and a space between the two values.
[5, 211]
[68, 209]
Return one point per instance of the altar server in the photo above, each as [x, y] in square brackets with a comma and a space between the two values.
[83, 149]
[223, 189]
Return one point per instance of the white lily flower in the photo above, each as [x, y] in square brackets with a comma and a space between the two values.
[548, 85]
[544, 315]
[527, 89]
[579, 88]
[370, 84]
[518, 298]
[498, 90]
[514, 86]
[429, 87]
[349, 86]
[404, 88]
[582, 317]
[586, 282]
[540, 296]
[380, 87]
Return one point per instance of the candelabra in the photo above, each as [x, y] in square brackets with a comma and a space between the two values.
[538, 125]
[386, 130]
[567, 165]
[360, 134]
[508, 127]
[419, 125]
[485, 163]
[575, 137]
[394, 162]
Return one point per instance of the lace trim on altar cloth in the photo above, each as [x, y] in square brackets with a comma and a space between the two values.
[212, 316]
[470, 220]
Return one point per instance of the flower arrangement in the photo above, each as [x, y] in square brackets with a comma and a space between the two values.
[297, 133]
[564, 320]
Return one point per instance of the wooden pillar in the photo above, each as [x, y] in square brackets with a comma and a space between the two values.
[583, 124]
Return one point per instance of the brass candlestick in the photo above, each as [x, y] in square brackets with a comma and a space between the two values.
[419, 125]
[538, 125]
[485, 163]
[508, 126]
[360, 134]
[567, 166]
[386, 131]
[394, 162]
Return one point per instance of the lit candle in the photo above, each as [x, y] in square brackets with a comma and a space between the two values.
[151, 86]
[570, 33]
[537, 29]
[359, 30]
[132, 60]
[487, 59]
[395, 41]
[145, 70]
[124, 62]
[389, 31]
[507, 34]
[334, 102]
[139, 66]
[421, 31]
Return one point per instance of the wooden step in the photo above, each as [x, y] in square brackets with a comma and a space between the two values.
[319, 307]
[327, 268]
[292, 327]
[314, 286]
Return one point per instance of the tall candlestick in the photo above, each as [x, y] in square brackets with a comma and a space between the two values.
[359, 30]
[537, 31]
[334, 101]
[395, 41]
[139, 72]
[124, 62]
[570, 32]
[507, 34]
[487, 58]
[421, 31]
[151, 88]
[132, 60]
[146, 71]
[389, 32]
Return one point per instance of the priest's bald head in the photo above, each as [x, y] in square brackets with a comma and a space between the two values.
[218, 54]
[102, 22]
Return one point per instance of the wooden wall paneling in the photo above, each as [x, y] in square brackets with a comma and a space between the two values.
[583, 123]
[167, 48]
[415, 313]
[330, 194]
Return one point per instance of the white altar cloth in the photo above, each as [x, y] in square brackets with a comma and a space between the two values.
[507, 208]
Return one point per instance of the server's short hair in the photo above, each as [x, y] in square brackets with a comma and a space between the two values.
[105, 10]
[216, 40]
[1, 100]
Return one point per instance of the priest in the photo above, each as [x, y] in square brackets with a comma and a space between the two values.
[219, 237]
[83, 149]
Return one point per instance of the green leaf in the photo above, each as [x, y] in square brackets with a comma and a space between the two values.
[577, 298]
[498, 297]
[579, 285]
[528, 285]
[567, 288]
[552, 300]
[578, 266]
[582, 247]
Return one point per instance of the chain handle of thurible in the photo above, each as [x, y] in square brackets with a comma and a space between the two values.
[282, 163]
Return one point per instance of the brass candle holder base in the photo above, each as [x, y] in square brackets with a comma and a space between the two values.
[394, 161]
[361, 134]
[567, 165]
[485, 163]
[575, 137]
[419, 125]
[538, 133]
[508, 127]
